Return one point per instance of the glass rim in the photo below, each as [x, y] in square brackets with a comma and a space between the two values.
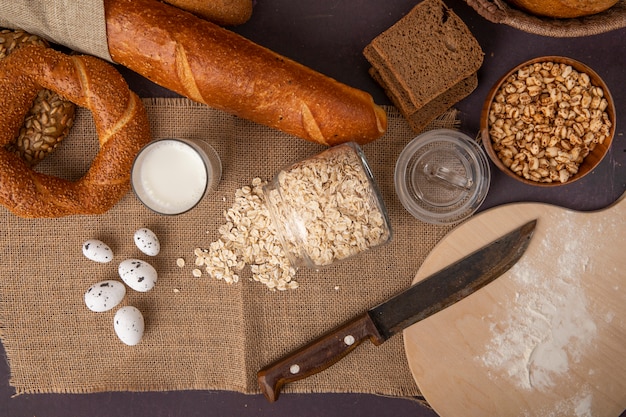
[186, 142]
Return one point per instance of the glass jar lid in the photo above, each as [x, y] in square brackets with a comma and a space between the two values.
[442, 176]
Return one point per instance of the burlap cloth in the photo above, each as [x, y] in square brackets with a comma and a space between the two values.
[201, 333]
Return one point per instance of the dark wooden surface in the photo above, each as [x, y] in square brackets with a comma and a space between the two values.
[329, 35]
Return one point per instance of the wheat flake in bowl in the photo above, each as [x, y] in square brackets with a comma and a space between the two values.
[548, 121]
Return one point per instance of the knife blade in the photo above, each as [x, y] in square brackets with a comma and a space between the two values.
[425, 298]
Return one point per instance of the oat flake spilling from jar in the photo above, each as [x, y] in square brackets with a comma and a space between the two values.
[317, 211]
[247, 238]
[327, 208]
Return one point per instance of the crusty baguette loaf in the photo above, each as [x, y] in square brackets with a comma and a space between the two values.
[222, 12]
[224, 70]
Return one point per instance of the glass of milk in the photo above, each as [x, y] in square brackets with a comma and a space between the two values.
[171, 176]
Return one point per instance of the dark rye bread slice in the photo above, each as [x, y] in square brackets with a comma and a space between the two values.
[388, 81]
[420, 118]
[436, 107]
[427, 51]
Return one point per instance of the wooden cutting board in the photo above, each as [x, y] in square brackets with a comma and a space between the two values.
[548, 338]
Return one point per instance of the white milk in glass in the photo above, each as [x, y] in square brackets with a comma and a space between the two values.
[171, 176]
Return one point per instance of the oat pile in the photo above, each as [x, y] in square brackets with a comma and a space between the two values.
[318, 211]
[326, 208]
[247, 238]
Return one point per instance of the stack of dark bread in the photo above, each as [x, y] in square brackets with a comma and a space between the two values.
[426, 62]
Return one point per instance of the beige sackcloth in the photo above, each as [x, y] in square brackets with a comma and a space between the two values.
[201, 333]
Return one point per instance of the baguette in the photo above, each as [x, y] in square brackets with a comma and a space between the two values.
[211, 65]
[222, 12]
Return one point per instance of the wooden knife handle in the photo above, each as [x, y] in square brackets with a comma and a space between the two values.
[317, 355]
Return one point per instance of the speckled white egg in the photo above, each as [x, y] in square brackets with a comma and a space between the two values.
[138, 275]
[98, 251]
[147, 242]
[104, 295]
[129, 325]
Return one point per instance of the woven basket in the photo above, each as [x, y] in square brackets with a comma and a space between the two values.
[498, 11]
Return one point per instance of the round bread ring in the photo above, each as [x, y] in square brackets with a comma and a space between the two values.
[50, 118]
[120, 120]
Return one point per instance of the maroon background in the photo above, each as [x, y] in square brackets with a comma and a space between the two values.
[329, 35]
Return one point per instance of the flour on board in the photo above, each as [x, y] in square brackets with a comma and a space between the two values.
[547, 326]
[579, 405]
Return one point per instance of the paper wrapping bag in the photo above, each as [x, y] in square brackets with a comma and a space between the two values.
[79, 25]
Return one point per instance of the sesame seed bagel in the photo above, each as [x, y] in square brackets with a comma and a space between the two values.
[50, 118]
[120, 120]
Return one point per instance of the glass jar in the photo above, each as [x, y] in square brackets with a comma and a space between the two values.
[442, 176]
[328, 207]
[171, 176]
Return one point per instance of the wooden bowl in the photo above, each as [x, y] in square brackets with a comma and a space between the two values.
[589, 162]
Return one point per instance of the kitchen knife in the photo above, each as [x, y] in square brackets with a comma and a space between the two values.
[419, 301]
